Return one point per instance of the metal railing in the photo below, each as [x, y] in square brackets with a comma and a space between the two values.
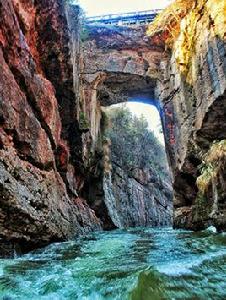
[130, 18]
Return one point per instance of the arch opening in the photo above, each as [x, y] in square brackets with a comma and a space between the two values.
[137, 181]
[123, 87]
[138, 192]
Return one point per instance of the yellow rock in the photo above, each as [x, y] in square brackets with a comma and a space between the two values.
[184, 26]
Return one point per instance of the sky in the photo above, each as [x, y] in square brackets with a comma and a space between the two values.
[101, 7]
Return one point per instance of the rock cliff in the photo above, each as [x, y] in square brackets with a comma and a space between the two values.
[137, 183]
[40, 177]
[192, 92]
[138, 199]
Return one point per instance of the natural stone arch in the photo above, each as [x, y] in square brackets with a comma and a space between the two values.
[120, 64]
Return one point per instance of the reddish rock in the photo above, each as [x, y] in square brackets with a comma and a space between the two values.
[19, 121]
[37, 183]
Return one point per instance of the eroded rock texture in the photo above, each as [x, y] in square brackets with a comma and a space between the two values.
[39, 182]
[138, 199]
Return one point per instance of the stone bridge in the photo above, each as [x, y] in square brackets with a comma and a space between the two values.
[120, 64]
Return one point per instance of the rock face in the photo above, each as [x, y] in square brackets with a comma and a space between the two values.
[192, 91]
[138, 199]
[39, 187]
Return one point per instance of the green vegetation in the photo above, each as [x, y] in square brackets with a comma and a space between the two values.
[85, 33]
[74, 2]
[133, 145]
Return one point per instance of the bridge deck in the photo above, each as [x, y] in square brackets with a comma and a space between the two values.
[132, 18]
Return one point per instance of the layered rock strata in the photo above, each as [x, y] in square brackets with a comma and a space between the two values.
[138, 199]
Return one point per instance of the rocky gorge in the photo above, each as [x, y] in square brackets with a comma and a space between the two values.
[56, 74]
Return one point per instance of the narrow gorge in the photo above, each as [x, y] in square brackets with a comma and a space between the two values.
[61, 179]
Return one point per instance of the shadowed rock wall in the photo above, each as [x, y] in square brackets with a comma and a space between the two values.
[192, 91]
[138, 199]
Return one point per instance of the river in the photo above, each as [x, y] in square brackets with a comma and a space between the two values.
[132, 264]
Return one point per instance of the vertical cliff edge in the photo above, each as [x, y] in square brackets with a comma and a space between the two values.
[192, 92]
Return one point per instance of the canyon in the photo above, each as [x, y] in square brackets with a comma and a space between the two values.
[55, 75]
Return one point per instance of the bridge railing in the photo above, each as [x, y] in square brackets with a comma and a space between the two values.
[118, 17]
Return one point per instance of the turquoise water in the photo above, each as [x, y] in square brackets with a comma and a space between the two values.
[135, 264]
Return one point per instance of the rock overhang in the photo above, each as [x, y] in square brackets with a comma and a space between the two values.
[122, 87]
[121, 64]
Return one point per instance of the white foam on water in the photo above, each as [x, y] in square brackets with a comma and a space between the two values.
[211, 229]
[184, 267]
[1, 270]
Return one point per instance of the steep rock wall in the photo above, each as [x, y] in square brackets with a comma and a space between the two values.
[39, 179]
[138, 199]
[192, 90]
